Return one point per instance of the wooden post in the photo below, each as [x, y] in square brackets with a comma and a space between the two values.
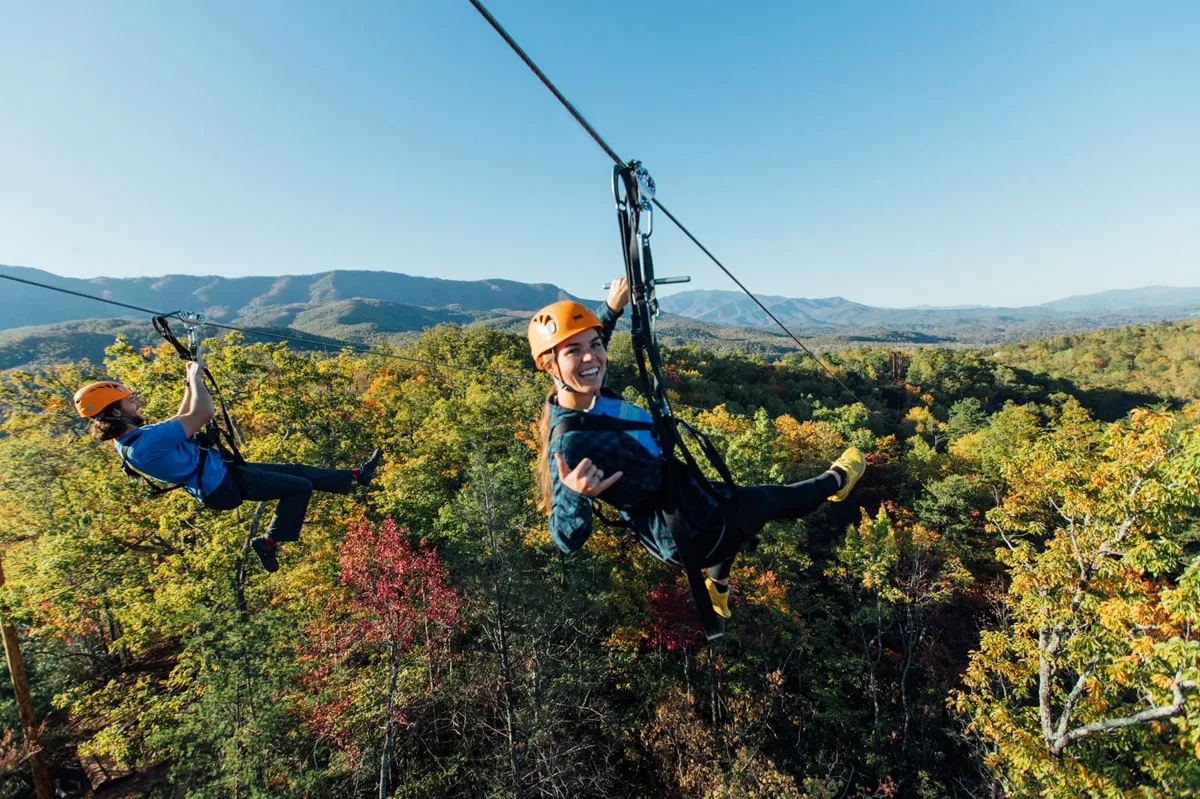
[16, 671]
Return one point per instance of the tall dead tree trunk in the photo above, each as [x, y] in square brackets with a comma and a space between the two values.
[29, 725]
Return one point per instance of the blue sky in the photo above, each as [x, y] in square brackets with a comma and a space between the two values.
[890, 153]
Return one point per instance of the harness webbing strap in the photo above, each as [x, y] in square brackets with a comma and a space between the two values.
[596, 422]
[639, 269]
[220, 438]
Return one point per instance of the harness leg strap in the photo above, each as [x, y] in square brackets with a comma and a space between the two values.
[714, 625]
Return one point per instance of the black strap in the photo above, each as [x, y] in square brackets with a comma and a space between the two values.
[163, 328]
[639, 269]
[596, 422]
[674, 479]
[219, 437]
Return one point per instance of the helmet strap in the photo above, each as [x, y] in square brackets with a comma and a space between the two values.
[561, 386]
[559, 383]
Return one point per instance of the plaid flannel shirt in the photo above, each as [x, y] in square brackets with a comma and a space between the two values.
[635, 495]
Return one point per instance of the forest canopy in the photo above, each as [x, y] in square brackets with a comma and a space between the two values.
[1005, 607]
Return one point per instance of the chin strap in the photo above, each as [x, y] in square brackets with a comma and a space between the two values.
[558, 383]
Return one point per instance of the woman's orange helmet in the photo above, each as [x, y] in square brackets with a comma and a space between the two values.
[95, 397]
[556, 323]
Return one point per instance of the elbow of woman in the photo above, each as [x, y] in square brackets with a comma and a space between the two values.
[566, 545]
[571, 541]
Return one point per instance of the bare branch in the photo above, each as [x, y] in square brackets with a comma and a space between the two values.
[1044, 680]
[1179, 689]
[1069, 705]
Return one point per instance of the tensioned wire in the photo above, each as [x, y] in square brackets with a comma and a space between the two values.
[487, 15]
[277, 336]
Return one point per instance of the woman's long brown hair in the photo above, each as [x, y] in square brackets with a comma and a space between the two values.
[542, 470]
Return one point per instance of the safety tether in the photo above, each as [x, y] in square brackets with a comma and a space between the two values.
[222, 438]
[633, 191]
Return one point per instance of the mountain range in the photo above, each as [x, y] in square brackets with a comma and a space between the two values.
[37, 325]
[735, 308]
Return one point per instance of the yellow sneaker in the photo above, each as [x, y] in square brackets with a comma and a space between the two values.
[720, 599]
[853, 464]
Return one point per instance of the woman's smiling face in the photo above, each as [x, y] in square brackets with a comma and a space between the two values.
[581, 361]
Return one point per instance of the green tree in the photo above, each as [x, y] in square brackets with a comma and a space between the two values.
[1089, 683]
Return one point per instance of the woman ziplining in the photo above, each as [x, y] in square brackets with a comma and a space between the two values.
[596, 446]
[177, 452]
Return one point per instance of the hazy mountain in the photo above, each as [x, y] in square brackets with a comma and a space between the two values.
[39, 326]
[255, 300]
[735, 308]
[1084, 311]
[1129, 299]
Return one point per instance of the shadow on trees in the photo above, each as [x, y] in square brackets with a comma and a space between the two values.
[1104, 404]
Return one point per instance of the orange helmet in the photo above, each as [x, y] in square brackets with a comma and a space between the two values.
[556, 323]
[95, 397]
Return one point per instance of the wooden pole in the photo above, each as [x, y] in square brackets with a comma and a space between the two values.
[16, 671]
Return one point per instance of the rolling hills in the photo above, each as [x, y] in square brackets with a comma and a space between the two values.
[39, 326]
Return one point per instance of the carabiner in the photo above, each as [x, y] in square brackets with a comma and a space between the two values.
[193, 335]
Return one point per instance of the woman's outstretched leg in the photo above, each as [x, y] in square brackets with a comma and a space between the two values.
[760, 504]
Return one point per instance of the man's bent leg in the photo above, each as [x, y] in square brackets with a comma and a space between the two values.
[330, 481]
[260, 482]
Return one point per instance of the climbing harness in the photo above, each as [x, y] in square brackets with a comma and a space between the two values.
[633, 192]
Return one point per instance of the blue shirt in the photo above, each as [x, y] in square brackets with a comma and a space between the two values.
[163, 451]
[619, 409]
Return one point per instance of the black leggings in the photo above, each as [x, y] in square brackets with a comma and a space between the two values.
[758, 505]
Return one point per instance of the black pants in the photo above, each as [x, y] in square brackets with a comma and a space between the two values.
[292, 485]
[758, 505]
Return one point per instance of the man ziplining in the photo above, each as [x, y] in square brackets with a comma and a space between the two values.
[171, 452]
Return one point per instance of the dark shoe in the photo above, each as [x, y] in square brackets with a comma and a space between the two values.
[265, 549]
[367, 471]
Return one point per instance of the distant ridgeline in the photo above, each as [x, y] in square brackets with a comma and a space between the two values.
[38, 326]
[1161, 359]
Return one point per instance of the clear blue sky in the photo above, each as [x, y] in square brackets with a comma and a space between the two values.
[893, 153]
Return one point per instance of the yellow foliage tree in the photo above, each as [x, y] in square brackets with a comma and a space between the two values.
[1088, 684]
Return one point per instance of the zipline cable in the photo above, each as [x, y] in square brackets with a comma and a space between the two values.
[81, 294]
[529, 62]
[548, 83]
[312, 342]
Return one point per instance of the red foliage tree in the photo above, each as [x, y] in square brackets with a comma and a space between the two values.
[674, 625]
[401, 609]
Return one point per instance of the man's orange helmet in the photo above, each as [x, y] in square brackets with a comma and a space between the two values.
[95, 397]
[556, 323]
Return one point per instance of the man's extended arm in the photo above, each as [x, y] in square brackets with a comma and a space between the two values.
[198, 406]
